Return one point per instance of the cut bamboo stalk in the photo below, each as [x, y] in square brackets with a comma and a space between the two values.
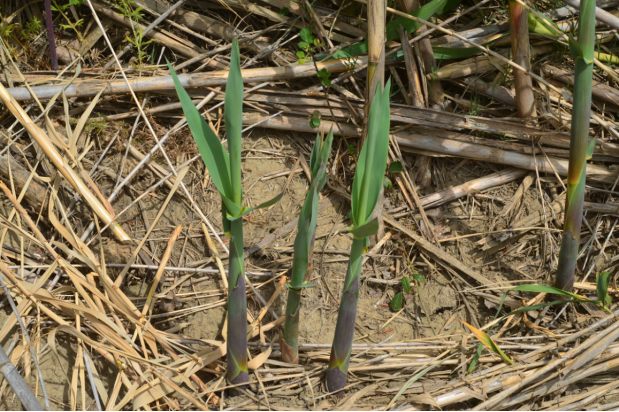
[435, 88]
[412, 71]
[376, 56]
[418, 116]
[160, 83]
[477, 34]
[600, 15]
[202, 23]
[20, 387]
[486, 154]
[480, 64]
[413, 141]
[497, 91]
[58, 161]
[492, 180]
[433, 119]
[600, 90]
[521, 54]
[164, 261]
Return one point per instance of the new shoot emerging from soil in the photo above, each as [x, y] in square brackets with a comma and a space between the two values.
[304, 248]
[366, 188]
[580, 148]
[225, 171]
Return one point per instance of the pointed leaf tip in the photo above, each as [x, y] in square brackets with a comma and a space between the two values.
[488, 342]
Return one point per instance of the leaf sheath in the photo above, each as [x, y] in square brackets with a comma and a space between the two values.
[237, 308]
[347, 315]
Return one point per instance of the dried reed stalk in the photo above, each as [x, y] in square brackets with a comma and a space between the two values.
[59, 162]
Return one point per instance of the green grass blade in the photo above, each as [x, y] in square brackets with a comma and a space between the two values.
[591, 148]
[602, 282]
[546, 289]
[233, 113]
[372, 162]
[424, 12]
[232, 208]
[544, 27]
[212, 151]
[369, 229]
[240, 212]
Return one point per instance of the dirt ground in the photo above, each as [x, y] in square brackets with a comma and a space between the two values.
[435, 306]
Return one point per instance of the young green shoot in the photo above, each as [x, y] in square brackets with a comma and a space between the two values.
[366, 189]
[225, 170]
[580, 147]
[304, 248]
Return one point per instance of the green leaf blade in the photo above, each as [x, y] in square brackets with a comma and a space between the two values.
[233, 114]
[369, 229]
[602, 282]
[306, 35]
[397, 302]
[406, 284]
[372, 159]
[213, 153]
[395, 167]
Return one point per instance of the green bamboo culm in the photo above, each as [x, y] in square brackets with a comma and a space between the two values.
[225, 171]
[366, 188]
[304, 248]
[580, 148]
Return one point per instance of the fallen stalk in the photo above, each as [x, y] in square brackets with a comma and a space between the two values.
[20, 387]
[438, 145]
[61, 165]
[153, 84]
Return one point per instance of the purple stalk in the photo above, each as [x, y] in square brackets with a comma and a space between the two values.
[50, 34]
